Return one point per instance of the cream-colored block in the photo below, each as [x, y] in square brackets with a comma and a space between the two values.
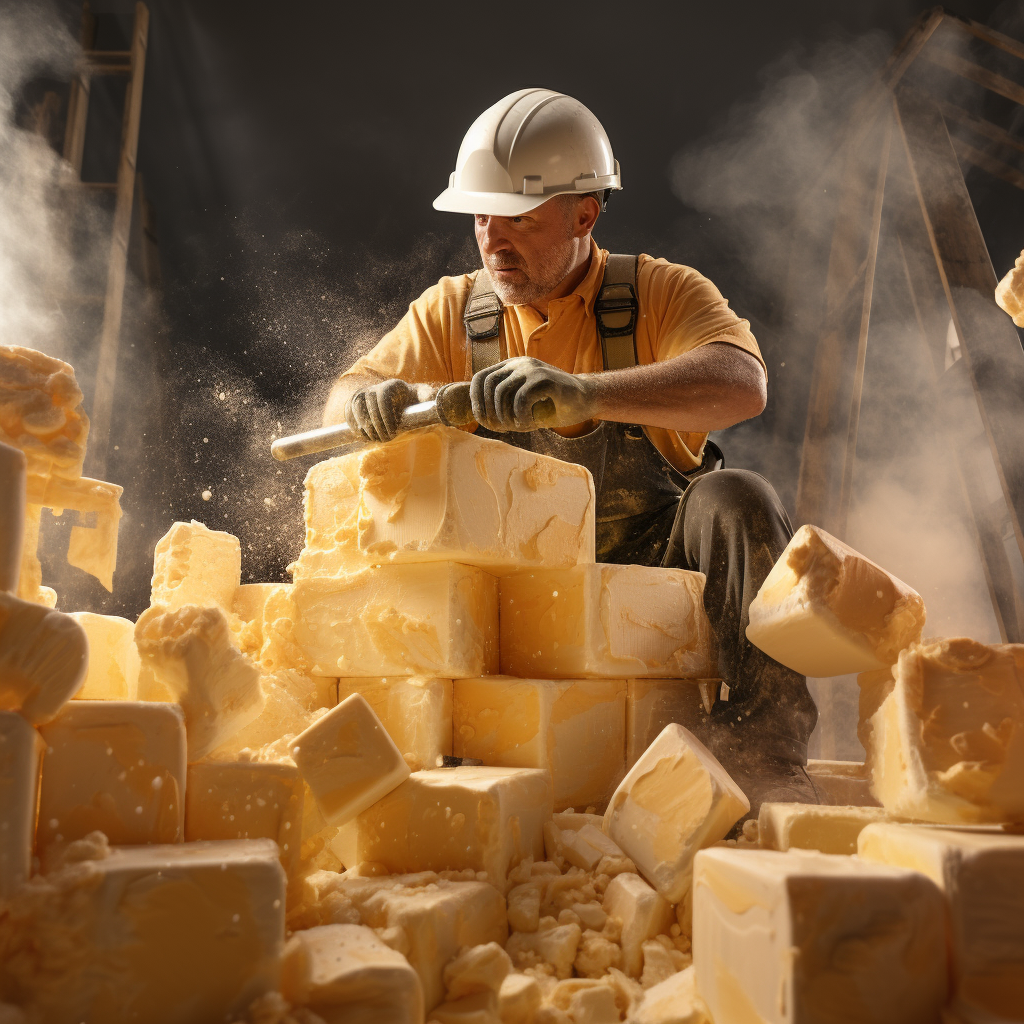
[21, 748]
[416, 711]
[947, 743]
[820, 827]
[188, 656]
[487, 819]
[802, 936]
[113, 766]
[195, 565]
[842, 783]
[982, 875]
[584, 847]
[441, 494]
[673, 1001]
[1010, 291]
[435, 619]
[163, 934]
[651, 704]
[245, 800]
[675, 800]
[43, 658]
[575, 728]
[519, 999]
[346, 975]
[263, 618]
[113, 659]
[642, 914]
[13, 471]
[480, 968]
[348, 760]
[605, 620]
[555, 947]
[825, 610]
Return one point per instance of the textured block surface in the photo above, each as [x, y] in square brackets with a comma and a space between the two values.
[113, 659]
[21, 748]
[195, 565]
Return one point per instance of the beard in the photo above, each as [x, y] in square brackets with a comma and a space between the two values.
[542, 276]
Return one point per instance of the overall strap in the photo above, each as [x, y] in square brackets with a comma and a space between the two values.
[482, 319]
[616, 311]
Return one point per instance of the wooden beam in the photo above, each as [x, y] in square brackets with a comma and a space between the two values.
[975, 73]
[957, 115]
[988, 35]
[78, 98]
[987, 162]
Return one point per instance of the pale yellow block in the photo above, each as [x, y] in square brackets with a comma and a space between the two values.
[871, 939]
[1010, 291]
[480, 968]
[416, 711]
[478, 1008]
[982, 876]
[641, 912]
[245, 800]
[345, 974]
[483, 818]
[13, 470]
[556, 947]
[673, 1001]
[675, 800]
[947, 743]
[349, 760]
[605, 620]
[263, 620]
[821, 827]
[651, 704]
[434, 619]
[519, 999]
[196, 565]
[113, 659]
[825, 610]
[586, 847]
[21, 748]
[43, 658]
[188, 656]
[575, 728]
[117, 767]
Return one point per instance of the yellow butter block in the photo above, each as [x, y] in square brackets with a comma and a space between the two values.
[642, 914]
[21, 748]
[821, 827]
[113, 659]
[651, 704]
[195, 565]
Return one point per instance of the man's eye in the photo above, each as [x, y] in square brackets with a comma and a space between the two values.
[517, 220]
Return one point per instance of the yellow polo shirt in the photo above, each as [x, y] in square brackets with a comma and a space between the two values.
[680, 310]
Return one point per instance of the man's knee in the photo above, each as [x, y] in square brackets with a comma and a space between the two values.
[741, 496]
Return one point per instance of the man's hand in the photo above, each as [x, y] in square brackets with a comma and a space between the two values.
[524, 394]
[374, 410]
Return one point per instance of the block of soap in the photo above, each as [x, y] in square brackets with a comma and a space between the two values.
[675, 800]
[345, 972]
[642, 914]
[484, 818]
[348, 760]
[188, 656]
[825, 610]
[122, 932]
[651, 704]
[821, 827]
[605, 620]
[245, 800]
[946, 744]
[673, 1001]
[1010, 291]
[440, 494]
[113, 659]
[416, 711]
[43, 658]
[982, 876]
[113, 766]
[784, 937]
[574, 728]
[195, 565]
[436, 619]
[21, 748]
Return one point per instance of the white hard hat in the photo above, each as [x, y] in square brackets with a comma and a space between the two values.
[528, 147]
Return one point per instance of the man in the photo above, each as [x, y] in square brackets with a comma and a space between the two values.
[538, 332]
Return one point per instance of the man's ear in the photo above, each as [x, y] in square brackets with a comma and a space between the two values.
[587, 212]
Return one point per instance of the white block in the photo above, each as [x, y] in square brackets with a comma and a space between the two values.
[435, 619]
[113, 659]
[820, 827]
[675, 800]
[642, 914]
[982, 876]
[605, 620]
[349, 760]
[195, 565]
[441, 494]
[113, 766]
[651, 704]
[825, 610]
[416, 712]
[345, 974]
[21, 748]
[799, 936]
[574, 728]
[673, 1001]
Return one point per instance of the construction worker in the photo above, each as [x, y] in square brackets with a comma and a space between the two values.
[621, 364]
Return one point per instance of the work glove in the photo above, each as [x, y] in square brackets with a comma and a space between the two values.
[524, 394]
[374, 411]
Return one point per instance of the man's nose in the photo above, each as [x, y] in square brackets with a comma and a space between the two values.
[492, 236]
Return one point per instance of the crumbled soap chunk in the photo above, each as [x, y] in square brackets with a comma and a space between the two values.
[947, 743]
[573, 728]
[487, 819]
[825, 610]
[113, 659]
[982, 875]
[584, 847]
[673, 1001]
[441, 494]
[416, 711]
[642, 914]
[519, 999]
[651, 704]
[553, 946]
[780, 937]
[814, 826]
[349, 760]
[43, 658]
[187, 655]
[345, 973]
[605, 620]
[676, 799]
[477, 969]
[479, 1008]
[246, 801]
[20, 751]
[195, 565]
[436, 619]
[1010, 292]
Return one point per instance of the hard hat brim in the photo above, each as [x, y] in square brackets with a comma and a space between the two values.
[491, 204]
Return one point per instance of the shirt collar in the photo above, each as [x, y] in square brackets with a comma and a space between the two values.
[589, 287]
